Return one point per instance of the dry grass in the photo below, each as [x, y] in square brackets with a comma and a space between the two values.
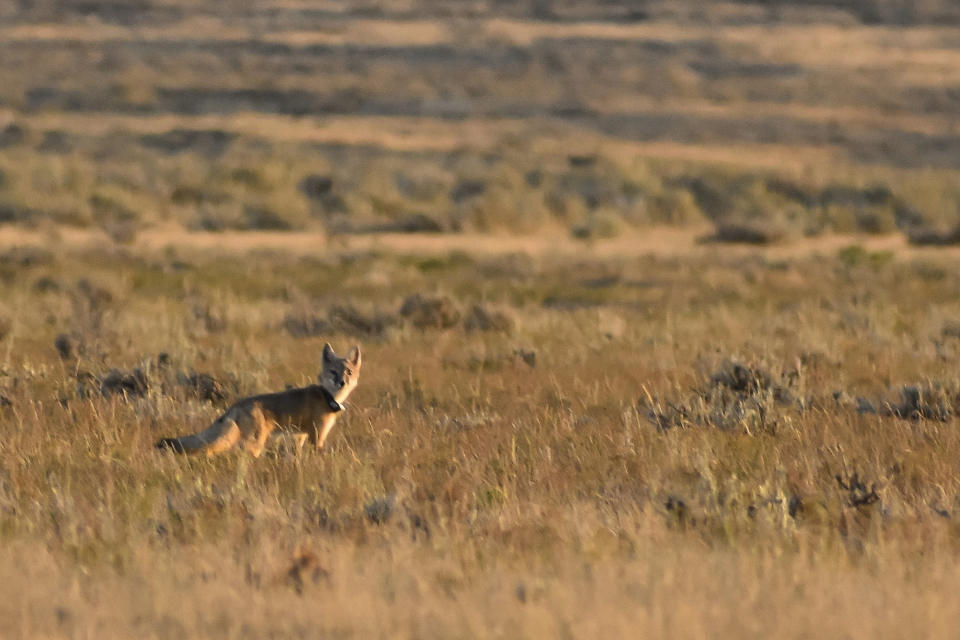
[576, 418]
[485, 483]
[400, 106]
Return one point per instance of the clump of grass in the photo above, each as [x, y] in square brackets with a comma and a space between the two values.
[340, 318]
[482, 318]
[855, 255]
[735, 397]
[934, 401]
[430, 312]
[927, 236]
[749, 232]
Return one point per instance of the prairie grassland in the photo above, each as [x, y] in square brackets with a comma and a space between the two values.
[770, 123]
[579, 457]
[591, 422]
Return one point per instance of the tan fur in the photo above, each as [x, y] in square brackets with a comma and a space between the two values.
[305, 412]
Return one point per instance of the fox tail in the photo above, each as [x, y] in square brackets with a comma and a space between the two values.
[219, 436]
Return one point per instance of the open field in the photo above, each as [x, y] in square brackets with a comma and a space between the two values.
[684, 361]
[564, 449]
[786, 121]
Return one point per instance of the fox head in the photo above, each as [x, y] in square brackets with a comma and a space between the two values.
[339, 375]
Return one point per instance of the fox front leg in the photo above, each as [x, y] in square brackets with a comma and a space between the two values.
[314, 436]
[300, 439]
[319, 433]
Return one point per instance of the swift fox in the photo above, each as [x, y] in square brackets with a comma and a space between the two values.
[308, 412]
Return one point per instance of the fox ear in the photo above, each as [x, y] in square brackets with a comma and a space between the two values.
[354, 356]
[328, 354]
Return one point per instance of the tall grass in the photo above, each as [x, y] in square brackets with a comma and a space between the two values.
[472, 491]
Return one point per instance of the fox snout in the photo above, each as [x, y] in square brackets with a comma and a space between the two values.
[333, 385]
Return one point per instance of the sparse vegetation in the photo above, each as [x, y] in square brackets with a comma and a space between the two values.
[658, 305]
[488, 463]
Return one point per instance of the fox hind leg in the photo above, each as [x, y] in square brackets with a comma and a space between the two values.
[255, 428]
[227, 439]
